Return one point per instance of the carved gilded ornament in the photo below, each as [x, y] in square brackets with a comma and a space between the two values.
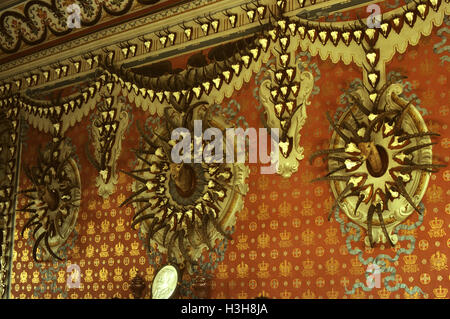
[379, 162]
[54, 200]
[183, 208]
[107, 132]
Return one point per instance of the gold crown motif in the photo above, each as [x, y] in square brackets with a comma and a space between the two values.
[91, 226]
[440, 292]
[328, 203]
[355, 262]
[242, 270]
[105, 226]
[416, 295]
[105, 204]
[120, 225]
[434, 194]
[307, 203]
[356, 266]
[150, 270]
[285, 294]
[120, 197]
[359, 294]
[263, 240]
[263, 270]
[243, 214]
[439, 261]
[118, 271]
[133, 272]
[221, 295]
[242, 238]
[285, 209]
[308, 294]
[332, 266]
[134, 245]
[331, 232]
[285, 268]
[263, 182]
[263, 212]
[92, 204]
[242, 295]
[384, 293]
[223, 274]
[308, 264]
[410, 259]
[104, 250]
[103, 273]
[119, 249]
[242, 242]
[332, 294]
[263, 266]
[308, 237]
[285, 235]
[436, 223]
[222, 268]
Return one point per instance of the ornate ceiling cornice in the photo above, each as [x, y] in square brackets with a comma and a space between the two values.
[35, 21]
[112, 65]
[175, 19]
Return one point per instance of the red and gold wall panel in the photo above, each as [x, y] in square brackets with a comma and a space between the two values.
[283, 245]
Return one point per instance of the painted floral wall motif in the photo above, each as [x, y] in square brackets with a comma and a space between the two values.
[283, 246]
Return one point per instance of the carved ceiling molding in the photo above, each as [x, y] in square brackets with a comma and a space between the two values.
[32, 22]
[136, 51]
[114, 34]
[183, 26]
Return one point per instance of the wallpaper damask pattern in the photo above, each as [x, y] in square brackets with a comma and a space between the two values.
[283, 246]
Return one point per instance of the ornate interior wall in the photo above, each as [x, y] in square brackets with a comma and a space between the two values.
[283, 245]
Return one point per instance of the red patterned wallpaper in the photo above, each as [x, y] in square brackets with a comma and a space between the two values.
[283, 246]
